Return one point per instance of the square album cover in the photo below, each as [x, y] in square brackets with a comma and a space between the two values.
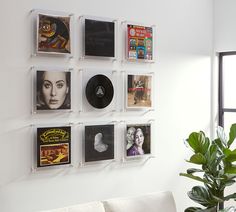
[139, 91]
[140, 42]
[99, 143]
[53, 90]
[53, 146]
[99, 38]
[138, 139]
[53, 34]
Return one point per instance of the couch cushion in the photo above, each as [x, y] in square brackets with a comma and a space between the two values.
[87, 207]
[153, 202]
[56, 210]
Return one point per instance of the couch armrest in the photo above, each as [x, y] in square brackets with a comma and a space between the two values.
[153, 202]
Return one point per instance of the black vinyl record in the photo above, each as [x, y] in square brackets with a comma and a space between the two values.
[99, 91]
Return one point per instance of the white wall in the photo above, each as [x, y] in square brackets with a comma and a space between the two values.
[183, 101]
[225, 31]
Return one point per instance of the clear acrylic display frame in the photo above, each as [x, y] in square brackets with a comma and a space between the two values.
[34, 89]
[143, 157]
[104, 162]
[35, 27]
[125, 91]
[35, 167]
[86, 75]
[82, 40]
[125, 51]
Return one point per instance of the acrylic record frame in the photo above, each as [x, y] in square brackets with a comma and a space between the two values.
[99, 36]
[138, 140]
[52, 146]
[99, 143]
[53, 33]
[139, 91]
[97, 87]
[52, 89]
[139, 42]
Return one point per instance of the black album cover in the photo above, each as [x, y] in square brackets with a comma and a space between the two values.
[53, 146]
[99, 142]
[138, 139]
[99, 91]
[99, 38]
[53, 34]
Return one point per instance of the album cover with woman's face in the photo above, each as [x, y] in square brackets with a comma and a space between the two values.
[53, 34]
[138, 139]
[139, 93]
[53, 90]
[140, 42]
[53, 146]
[99, 38]
[99, 143]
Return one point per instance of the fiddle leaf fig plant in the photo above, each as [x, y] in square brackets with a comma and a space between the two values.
[216, 169]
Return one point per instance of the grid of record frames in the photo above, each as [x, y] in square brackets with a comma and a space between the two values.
[53, 87]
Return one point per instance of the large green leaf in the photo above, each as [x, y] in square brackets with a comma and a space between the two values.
[230, 155]
[198, 142]
[202, 196]
[218, 142]
[221, 135]
[230, 169]
[205, 145]
[194, 141]
[231, 196]
[198, 158]
[232, 134]
[193, 209]
[193, 177]
[197, 209]
[193, 170]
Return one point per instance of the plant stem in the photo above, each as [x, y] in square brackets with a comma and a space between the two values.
[221, 205]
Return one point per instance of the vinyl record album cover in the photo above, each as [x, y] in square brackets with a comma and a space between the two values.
[53, 90]
[99, 38]
[99, 143]
[139, 91]
[138, 139]
[53, 34]
[99, 91]
[53, 146]
[140, 42]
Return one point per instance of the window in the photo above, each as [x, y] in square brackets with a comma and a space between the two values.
[227, 89]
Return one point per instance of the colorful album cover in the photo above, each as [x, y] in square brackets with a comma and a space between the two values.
[140, 42]
[53, 34]
[138, 139]
[53, 90]
[99, 38]
[53, 146]
[139, 91]
[99, 143]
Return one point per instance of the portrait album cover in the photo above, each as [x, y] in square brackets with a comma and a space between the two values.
[99, 143]
[139, 90]
[139, 42]
[53, 90]
[138, 139]
[53, 146]
[99, 38]
[53, 34]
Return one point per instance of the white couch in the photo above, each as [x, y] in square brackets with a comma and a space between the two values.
[153, 202]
